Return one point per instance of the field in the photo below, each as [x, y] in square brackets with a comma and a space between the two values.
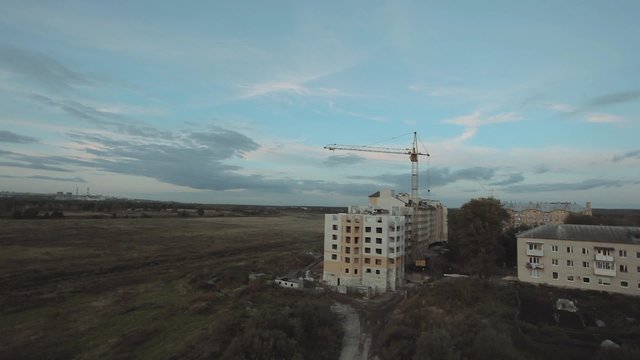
[154, 287]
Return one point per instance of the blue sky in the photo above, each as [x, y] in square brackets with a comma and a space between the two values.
[232, 102]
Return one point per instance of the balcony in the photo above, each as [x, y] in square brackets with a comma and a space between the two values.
[601, 257]
[604, 272]
[534, 252]
[534, 266]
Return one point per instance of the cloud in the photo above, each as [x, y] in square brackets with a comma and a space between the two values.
[43, 177]
[39, 68]
[541, 169]
[614, 98]
[511, 179]
[341, 160]
[193, 159]
[552, 187]
[603, 118]
[296, 88]
[434, 177]
[105, 119]
[563, 108]
[627, 155]
[11, 137]
[475, 120]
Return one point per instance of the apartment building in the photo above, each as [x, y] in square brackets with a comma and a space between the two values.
[367, 246]
[593, 257]
[540, 213]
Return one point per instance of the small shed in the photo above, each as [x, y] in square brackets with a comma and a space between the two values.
[288, 283]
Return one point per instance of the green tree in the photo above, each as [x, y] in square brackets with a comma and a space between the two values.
[580, 219]
[475, 235]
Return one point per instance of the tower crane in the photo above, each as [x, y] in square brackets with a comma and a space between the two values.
[413, 153]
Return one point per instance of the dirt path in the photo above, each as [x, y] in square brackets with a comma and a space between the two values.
[355, 343]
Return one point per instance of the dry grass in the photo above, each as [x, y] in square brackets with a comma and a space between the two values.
[143, 288]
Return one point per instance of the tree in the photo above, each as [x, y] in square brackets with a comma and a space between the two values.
[475, 235]
[200, 211]
[581, 219]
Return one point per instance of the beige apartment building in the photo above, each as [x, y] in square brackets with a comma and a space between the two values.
[593, 257]
[540, 213]
[367, 247]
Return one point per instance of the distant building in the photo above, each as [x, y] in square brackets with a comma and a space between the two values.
[540, 213]
[368, 245]
[593, 257]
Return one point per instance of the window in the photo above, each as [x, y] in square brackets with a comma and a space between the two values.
[569, 277]
[334, 257]
[378, 262]
[379, 230]
[346, 271]
[637, 254]
[554, 248]
[554, 262]
[334, 237]
[367, 250]
[355, 240]
[586, 279]
[367, 229]
[534, 260]
[356, 260]
[622, 253]
[368, 271]
[367, 239]
[569, 249]
[347, 260]
[379, 251]
[334, 246]
[392, 261]
[357, 229]
[585, 251]
[605, 265]
[391, 250]
[569, 262]
[378, 240]
[367, 260]
[555, 275]
[585, 264]
[348, 239]
[355, 271]
[377, 272]
[623, 268]
[604, 281]
[535, 246]
[624, 283]
[638, 269]
[347, 250]
[356, 250]
[535, 273]
[334, 227]
[348, 229]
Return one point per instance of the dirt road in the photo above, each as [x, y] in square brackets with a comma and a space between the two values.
[355, 343]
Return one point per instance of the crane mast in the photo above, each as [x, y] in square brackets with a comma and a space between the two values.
[415, 199]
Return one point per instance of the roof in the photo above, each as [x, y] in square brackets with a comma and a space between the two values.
[544, 206]
[596, 233]
[375, 194]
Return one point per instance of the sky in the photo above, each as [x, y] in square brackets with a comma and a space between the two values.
[233, 101]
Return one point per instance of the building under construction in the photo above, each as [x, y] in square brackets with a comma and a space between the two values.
[369, 246]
